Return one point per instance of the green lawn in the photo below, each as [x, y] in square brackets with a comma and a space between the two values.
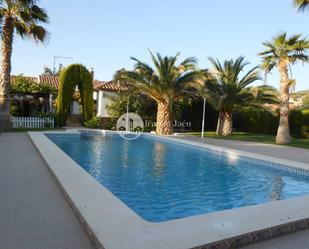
[253, 137]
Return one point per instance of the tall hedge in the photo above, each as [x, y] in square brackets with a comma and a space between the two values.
[72, 76]
[256, 120]
[260, 121]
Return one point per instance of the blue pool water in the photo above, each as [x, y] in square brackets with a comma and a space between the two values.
[162, 180]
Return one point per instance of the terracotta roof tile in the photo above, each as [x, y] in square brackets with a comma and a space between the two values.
[14, 77]
[97, 84]
[109, 86]
[49, 80]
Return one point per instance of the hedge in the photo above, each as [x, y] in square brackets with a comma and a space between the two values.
[250, 119]
[74, 75]
[255, 120]
[261, 121]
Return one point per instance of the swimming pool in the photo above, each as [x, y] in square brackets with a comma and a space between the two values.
[162, 180]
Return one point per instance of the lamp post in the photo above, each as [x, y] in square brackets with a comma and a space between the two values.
[203, 118]
[127, 119]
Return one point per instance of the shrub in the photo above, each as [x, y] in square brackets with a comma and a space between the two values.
[94, 123]
[108, 123]
[46, 115]
[138, 104]
[16, 109]
[27, 86]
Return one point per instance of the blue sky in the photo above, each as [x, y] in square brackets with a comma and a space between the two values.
[104, 34]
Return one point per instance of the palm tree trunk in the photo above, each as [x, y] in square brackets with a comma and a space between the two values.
[5, 78]
[164, 119]
[225, 124]
[283, 133]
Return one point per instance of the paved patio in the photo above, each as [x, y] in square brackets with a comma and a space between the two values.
[33, 212]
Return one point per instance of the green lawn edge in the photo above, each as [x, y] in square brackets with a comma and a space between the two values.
[253, 137]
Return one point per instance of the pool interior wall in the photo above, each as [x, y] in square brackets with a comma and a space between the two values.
[162, 180]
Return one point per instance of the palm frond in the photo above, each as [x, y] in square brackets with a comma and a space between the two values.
[27, 18]
[39, 14]
[165, 81]
[302, 5]
[227, 89]
[282, 47]
[38, 33]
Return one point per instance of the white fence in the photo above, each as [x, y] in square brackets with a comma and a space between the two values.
[32, 122]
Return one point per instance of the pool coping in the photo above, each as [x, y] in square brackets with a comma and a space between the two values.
[113, 225]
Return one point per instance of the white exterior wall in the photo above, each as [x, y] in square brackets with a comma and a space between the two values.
[75, 108]
[95, 95]
[103, 100]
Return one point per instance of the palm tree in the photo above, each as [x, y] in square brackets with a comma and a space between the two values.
[165, 83]
[228, 91]
[21, 17]
[282, 52]
[302, 5]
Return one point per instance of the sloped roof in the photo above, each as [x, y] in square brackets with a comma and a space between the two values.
[109, 86]
[97, 84]
[14, 77]
[49, 80]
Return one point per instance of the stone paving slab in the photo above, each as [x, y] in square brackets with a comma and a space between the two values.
[33, 212]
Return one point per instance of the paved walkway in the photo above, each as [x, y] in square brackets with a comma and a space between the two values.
[33, 212]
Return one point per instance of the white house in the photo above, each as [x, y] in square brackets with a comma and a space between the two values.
[104, 92]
